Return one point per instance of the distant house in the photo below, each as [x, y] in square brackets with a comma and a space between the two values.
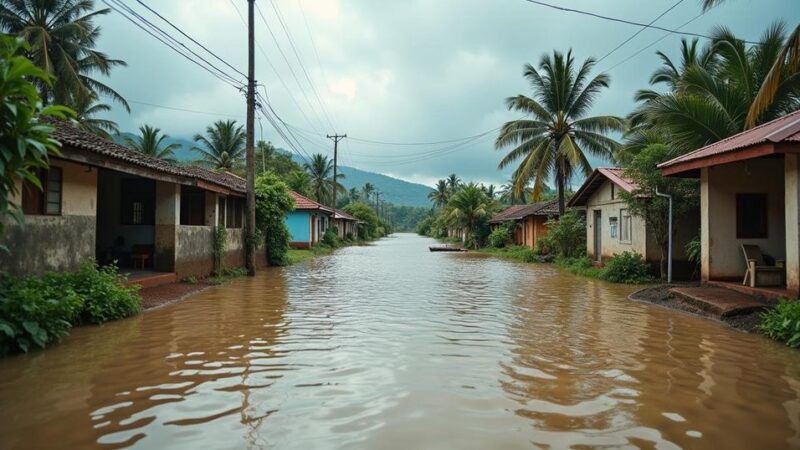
[530, 221]
[105, 201]
[611, 228]
[308, 222]
[345, 224]
[749, 196]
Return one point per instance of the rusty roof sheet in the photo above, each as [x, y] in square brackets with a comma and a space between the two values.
[596, 179]
[517, 212]
[71, 136]
[782, 129]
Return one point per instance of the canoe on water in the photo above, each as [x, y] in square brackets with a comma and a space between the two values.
[445, 248]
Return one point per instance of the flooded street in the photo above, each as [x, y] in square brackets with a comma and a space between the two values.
[390, 346]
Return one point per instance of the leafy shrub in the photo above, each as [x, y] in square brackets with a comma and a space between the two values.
[544, 246]
[330, 238]
[567, 235]
[349, 237]
[105, 296]
[273, 202]
[35, 311]
[524, 254]
[783, 323]
[626, 267]
[502, 235]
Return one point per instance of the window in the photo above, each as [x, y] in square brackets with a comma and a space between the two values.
[233, 214]
[612, 226]
[751, 216]
[193, 206]
[47, 202]
[625, 229]
[138, 202]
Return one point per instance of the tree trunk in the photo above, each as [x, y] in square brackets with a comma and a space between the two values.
[560, 186]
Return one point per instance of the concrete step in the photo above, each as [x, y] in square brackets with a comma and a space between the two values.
[719, 302]
[153, 280]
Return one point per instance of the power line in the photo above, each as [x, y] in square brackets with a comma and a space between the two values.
[625, 21]
[640, 30]
[190, 38]
[448, 141]
[652, 44]
[194, 111]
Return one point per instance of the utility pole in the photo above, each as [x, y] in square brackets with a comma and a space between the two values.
[377, 199]
[250, 251]
[335, 138]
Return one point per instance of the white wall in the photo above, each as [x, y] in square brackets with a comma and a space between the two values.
[719, 186]
[601, 200]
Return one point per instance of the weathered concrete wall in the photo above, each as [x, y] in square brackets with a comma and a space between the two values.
[792, 206]
[719, 186]
[194, 251]
[166, 229]
[50, 243]
[234, 248]
[602, 200]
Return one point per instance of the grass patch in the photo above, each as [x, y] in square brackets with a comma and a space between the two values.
[783, 323]
[226, 275]
[297, 255]
[515, 252]
[625, 268]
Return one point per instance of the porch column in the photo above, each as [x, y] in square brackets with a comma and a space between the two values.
[211, 209]
[705, 226]
[792, 203]
[168, 213]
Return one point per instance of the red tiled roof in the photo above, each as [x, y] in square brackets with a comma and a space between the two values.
[303, 203]
[782, 129]
[516, 212]
[343, 215]
[596, 179]
[70, 135]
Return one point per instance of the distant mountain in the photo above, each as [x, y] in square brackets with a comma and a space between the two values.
[393, 190]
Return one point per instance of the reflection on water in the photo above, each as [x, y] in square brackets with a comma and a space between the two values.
[390, 346]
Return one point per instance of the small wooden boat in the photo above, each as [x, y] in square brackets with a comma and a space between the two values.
[446, 248]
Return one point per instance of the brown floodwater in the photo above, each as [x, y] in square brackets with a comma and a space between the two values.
[390, 346]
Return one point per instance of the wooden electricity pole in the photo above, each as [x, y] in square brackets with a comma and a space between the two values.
[335, 138]
[250, 251]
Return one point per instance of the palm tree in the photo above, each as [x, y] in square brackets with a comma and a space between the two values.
[453, 182]
[468, 209]
[151, 143]
[299, 181]
[85, 110]
[353, 195]
[488, 190]
[440, 195]
[710, 101]
[223, 145]
[62, 36]
[368, 190]
[552, 143]
[320, 170]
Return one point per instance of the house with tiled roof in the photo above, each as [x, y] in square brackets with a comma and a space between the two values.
[105, 201]
[308, 222]
[530, 221]
[749, 203]
[346, 225]
[611, 228]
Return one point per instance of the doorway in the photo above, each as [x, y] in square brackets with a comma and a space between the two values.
[598, 235]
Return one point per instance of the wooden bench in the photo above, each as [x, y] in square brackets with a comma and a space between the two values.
[141, 254]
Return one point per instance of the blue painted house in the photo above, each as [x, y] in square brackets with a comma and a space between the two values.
[308, 222]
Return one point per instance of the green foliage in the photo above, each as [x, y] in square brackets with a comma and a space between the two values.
[580, 266]
[425, 226]
[782, 323]
[502, 235]
[643, 201]
[320, 172]
[626, 267]
[694, 252]
[566, 236]
[152, 142]
[365, 213]
[227, 274]
[331, 238]
[24, 141]
[218, 247]
[105, 296]
[37, 311]
[470, 209]
[544, 246]
[273, 202]
[223, 146]
[515, 252]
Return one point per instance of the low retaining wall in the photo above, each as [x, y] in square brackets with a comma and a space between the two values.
[48, 243]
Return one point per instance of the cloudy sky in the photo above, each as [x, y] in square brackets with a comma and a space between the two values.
[411, 71]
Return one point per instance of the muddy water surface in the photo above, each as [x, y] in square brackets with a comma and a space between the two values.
[390, 346]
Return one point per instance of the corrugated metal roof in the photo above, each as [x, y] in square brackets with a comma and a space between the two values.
[782, 129]
[516, 212]
[596, 179]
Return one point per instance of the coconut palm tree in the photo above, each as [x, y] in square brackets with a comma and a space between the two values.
[151, 142]
[440, 195]
[489, 190]
[453, 182]
[709, 102]
[469, 209]
[86, 108]
[62, 37]
[223, 145]
[368, 190]
[553, 142]
[320, 171]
